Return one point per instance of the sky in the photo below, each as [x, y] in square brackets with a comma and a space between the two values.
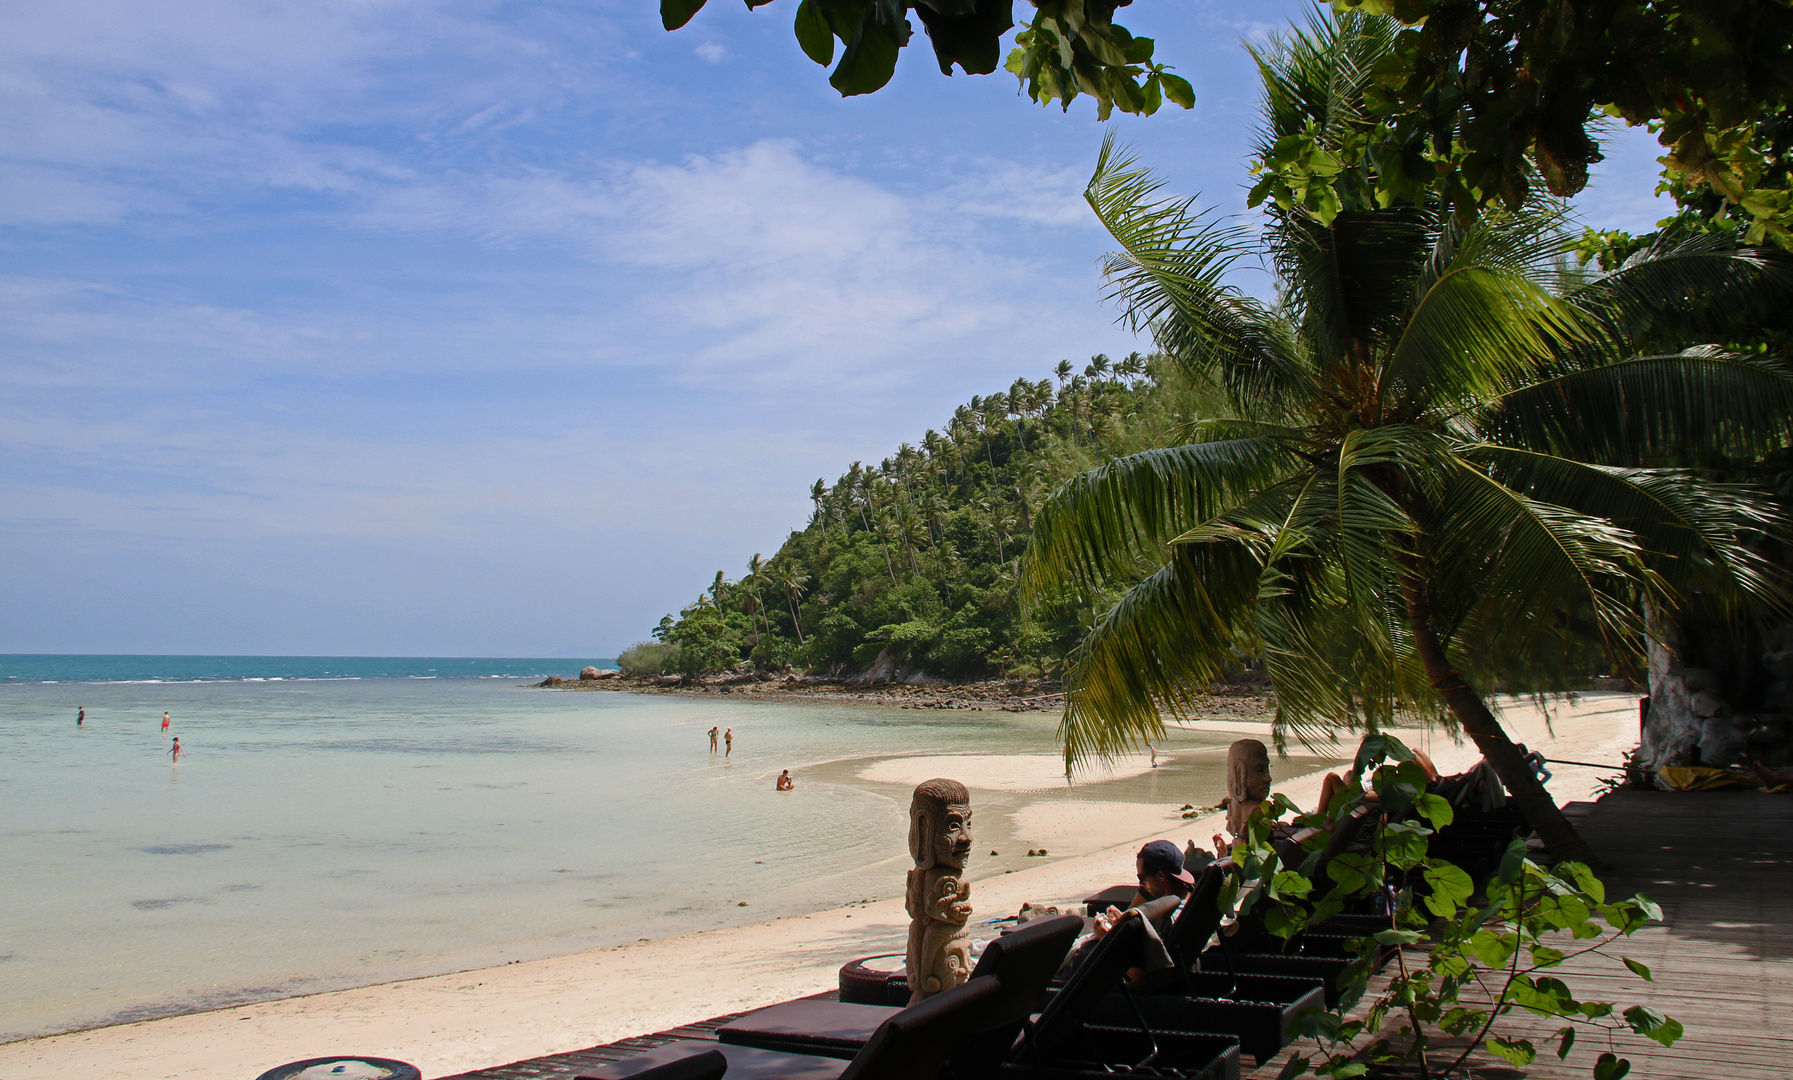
[460, 328]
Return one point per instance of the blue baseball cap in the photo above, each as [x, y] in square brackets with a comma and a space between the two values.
[1164, 857]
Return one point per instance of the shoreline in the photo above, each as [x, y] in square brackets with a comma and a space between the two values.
[1003, 695]
[483, 1017]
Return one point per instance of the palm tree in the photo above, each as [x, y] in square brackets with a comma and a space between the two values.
[1445, 463]
[789, 578]
[756, 575]
[817, 492]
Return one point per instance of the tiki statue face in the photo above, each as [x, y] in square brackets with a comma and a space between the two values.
[1248, 770]
[940, 825]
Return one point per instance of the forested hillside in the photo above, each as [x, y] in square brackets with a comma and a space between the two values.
[914, 559]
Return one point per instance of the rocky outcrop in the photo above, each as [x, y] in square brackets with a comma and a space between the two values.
[1719, 695]
[589, 672]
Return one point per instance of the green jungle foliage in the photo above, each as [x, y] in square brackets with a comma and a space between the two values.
[917, 555]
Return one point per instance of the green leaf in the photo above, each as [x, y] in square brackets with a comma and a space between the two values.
[870, 59]
[1585, 880]
[1516, 1052]
[814, 34]
[1399, 937]
[1178, 90]
[1494, 949]
[1652, 1024]
[1567, 1035]
[1451, 887]
[1638, 969]
[1289, 883]
[1611, 1067]
[1436, 809]
[676, 13]
[1546, 957]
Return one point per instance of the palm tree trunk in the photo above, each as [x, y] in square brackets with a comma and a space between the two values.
[1560, 838]
[791, 602]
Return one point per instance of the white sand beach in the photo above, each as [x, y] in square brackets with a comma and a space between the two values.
[453, 1023]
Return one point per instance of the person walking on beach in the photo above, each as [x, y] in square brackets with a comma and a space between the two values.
[174, 752]
[728, 740]
[164, 721]
[81, 716]
[785, 783]
[712, 740]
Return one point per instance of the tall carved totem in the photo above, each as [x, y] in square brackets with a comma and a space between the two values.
[938, 898]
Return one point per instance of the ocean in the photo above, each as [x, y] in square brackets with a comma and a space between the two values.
[347, 821]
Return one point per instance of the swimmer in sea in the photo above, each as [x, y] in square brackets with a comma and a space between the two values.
[785, 783]
[164, 721]
[174, 752]
[712, 740]
[728, 738]
[81, 716]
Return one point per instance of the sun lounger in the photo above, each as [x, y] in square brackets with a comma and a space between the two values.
[912, 1044]
[1024, 959]
[1070, 1040]
[1260, 1010]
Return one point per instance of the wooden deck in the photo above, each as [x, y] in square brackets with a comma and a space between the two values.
[1721, 866]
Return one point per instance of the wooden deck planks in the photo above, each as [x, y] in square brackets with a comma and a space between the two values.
[1721, 866]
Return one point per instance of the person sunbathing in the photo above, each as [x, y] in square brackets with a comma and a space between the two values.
[785, 783]
[1334, 783]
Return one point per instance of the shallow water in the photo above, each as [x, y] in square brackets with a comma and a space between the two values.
[337, 833]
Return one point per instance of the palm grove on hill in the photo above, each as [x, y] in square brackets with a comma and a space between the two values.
[916, 557]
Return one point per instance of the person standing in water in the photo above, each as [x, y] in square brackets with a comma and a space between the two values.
[728, 739]
[174, 752]
[165, 722]
[81, 716]
[712, 740]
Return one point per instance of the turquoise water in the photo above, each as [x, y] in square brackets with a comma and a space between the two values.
[344, 831]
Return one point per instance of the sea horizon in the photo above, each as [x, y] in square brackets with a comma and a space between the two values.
[270, 667]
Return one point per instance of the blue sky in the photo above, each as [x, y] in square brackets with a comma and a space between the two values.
[426, 327]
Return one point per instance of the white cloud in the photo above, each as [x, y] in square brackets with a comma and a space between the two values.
[711, 52]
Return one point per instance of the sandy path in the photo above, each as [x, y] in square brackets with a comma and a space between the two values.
[452, 1023]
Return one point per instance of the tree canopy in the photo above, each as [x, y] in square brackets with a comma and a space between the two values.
[1475, 102]
[1070, 47]
[914, 557]
[1450, 461]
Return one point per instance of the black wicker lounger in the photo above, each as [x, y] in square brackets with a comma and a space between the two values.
[1024, 960]
[912, 1044]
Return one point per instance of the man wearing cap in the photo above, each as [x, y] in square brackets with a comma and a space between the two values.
[1160, 869]
[1161, 873]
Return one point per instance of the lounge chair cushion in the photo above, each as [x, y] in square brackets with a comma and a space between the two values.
[743, 1063]
[1025, 960]
[806, 1026]
[911, 1044]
